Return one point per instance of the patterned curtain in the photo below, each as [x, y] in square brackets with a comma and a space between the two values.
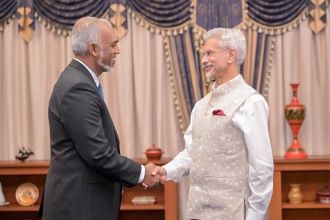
[263, 20]
[189, 83]
[173, 20]
[182, 24]
[256, 67]
[186, 79]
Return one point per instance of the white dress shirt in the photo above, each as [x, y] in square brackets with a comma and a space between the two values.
[97, 82]
[252, 120]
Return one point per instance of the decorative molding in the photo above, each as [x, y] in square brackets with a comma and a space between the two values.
[25, 22]
[118, 19]
[317, 15]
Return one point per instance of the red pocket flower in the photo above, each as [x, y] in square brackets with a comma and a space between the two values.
[218, 112]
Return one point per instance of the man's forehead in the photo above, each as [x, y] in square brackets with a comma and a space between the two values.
[109, 35]
[113, 34]
[211, 43]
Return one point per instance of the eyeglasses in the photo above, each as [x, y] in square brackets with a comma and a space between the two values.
[210, 53]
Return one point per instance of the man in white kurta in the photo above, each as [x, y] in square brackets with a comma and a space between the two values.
[228, 152]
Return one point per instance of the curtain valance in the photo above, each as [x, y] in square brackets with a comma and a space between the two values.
[277, 17]
[165, 14]
[275, 13]
[62, 14]
[169, 17]
[7, 9]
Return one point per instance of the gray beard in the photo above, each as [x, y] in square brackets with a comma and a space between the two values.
[210, 76]
[103, 65]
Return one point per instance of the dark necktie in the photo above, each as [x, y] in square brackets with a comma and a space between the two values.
[100, 90]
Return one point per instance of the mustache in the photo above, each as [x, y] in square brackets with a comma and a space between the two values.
[206, 65]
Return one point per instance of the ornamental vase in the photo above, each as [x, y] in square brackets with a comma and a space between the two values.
[2, 197]
[295, 115]
[295, 196]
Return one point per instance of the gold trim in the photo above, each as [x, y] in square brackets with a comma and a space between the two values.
[178, 82]
[6, 22]
[243, 25]
[118, 19]
[198, 36]
[50, 27]
[26, 32]
[193, 14]
[183, 124]
[316, 24]
[253, 50]
[269, 65]
[192, 66]
[248, 55]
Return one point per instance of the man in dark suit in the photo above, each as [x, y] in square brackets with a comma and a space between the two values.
[86, 171]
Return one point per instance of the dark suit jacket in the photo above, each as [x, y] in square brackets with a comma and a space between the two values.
[86, 169]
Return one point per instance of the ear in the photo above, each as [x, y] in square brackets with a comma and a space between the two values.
[92, 49]
[232, 56]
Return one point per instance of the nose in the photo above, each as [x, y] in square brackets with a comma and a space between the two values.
[204, 59]
[117, 50]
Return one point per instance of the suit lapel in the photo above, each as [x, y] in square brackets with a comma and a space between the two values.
[117, 139]
[82, 69]
[113, 126]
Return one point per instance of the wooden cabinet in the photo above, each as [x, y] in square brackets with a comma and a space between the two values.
[312, 174]
[166, 200]
[14, 173]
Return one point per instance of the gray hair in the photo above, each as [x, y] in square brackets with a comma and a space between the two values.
[229, 38]
[84, 32]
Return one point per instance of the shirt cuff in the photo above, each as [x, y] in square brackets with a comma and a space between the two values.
[253, 215]
[143, 171]
[168, 167]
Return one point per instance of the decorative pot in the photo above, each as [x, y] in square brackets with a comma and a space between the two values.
[295, 115]
[2, 196]
[3, 201]
[153, 153]
[323, 195]
[295, 196]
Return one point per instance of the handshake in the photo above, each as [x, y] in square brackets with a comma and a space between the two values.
[153, 176]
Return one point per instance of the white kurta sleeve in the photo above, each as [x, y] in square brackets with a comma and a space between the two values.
[252, 119]
[180, 165]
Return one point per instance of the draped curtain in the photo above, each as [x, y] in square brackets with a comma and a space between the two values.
[27, 75]
[158, 77]
[181, 24]
[137, 92]
[303, 57]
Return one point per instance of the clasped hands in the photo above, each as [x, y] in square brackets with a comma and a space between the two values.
[154, 175]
